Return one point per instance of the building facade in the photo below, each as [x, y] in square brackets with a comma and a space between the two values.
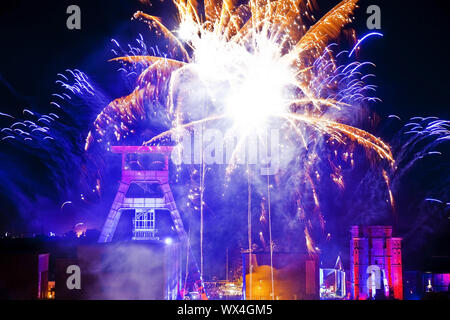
[376, 263]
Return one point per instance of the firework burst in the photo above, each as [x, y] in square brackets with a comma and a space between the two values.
[256, 66]
[242, 68]
[251, 63]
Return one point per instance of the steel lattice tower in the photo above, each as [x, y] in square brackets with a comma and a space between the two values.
[144, 187]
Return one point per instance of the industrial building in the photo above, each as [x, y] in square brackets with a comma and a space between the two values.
[376, 263]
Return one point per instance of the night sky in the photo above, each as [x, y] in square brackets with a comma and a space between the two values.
[411, 60]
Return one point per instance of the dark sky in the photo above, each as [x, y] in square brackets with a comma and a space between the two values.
[411, 58]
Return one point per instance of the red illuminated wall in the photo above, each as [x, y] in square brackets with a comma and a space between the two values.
[375, 246]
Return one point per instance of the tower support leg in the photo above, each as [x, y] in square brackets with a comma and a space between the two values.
[114, 215]
[174, 213]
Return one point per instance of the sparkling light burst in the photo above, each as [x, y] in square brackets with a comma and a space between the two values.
[259, 65]
[255, 61]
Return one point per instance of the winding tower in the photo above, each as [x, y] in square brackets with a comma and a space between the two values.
[144, 188]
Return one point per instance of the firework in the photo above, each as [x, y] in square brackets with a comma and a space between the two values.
[257, 66]
[252, 62]
[243, 69]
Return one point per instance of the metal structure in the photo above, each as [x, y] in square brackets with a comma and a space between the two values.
[144, 187]
[144, 225]
[332, 282]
